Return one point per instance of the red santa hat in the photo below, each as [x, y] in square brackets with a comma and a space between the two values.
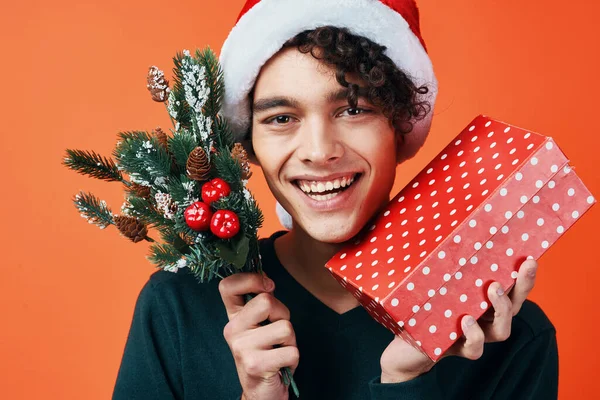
[263, 26]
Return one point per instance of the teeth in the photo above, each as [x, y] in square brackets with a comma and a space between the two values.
[322, 197]
[320, 187]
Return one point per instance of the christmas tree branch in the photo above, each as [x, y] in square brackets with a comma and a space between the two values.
[145, 210]
[92, 164]
[214, 77]
[181, 144]
[94, 210]
[164, 255]
[141, 155]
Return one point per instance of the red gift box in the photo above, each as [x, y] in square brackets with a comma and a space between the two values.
[493, 197]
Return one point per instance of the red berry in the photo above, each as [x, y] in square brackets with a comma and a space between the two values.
[214, 190]
[225, 224]
[198, 215]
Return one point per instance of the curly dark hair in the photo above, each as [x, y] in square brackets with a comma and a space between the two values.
[388, 87]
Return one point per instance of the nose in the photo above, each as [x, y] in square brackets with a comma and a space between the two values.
[319, 142]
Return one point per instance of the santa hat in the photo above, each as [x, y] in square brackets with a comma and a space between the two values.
[263, 26]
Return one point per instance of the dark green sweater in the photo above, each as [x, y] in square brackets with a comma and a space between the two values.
[176, 349]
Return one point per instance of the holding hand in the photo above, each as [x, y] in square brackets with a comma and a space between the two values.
[258, 363]
[401, 362]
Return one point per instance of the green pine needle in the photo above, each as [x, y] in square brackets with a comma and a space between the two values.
[93, 209]
[142, 157]
[228, 169]
[214, 78]
[146, 211]
[181, 145]
[164, 255]
[92, 164]
[223, 135]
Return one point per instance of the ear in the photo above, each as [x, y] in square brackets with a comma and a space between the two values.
[399, 147]
[246, 141]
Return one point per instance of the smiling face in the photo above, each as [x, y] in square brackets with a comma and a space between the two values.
[331, 166]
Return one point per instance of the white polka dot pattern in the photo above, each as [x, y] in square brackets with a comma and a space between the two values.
[464, 221]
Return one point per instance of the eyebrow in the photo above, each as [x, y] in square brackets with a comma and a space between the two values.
[262, 105]
[265, 104]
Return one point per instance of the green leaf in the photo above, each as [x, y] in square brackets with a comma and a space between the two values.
[237, 254]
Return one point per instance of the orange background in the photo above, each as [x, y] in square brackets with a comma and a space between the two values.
[73, 75]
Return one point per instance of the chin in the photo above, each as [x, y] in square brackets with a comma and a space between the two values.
[332, 230]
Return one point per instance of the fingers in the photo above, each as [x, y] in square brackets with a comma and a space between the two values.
[524, 285]
[497, 329]
[279, 333]
[471, 345]
[234, 287]
[265, 363]
[261, 308]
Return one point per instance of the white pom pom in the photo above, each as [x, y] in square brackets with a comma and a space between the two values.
[284, 217]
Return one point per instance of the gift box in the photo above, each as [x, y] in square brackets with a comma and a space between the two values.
[495, 196]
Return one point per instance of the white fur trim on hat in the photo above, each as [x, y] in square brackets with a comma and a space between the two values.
[285, 219]
[261, 32]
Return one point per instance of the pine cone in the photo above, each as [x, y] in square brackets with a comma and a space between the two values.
[165, 204]
[162, 138]
[157, 85]
[238, 152]
[198, 166]
[139, 190]
[132, 228]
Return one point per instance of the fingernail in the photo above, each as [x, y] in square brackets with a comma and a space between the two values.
[500, 291]
[470, 322]
[531, 273]
[268, 284]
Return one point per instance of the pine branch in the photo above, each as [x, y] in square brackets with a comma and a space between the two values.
[164, 255]
[171, 236]
[223, 135]
[181, 144]
[146, 211]
[228, 169]
[178, 107]
[204, 265]
[142, 157]
[214, 79]
[183, 190]
[235, 202]
[94, 210]
[92, 164]
[252, 216]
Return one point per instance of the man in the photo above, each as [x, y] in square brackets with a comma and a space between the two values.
[329, 96]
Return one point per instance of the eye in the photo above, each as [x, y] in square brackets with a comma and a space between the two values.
[279, 120]
[354, 111]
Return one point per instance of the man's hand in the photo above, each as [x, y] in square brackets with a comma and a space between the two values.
[257, 360]
[401, 362]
